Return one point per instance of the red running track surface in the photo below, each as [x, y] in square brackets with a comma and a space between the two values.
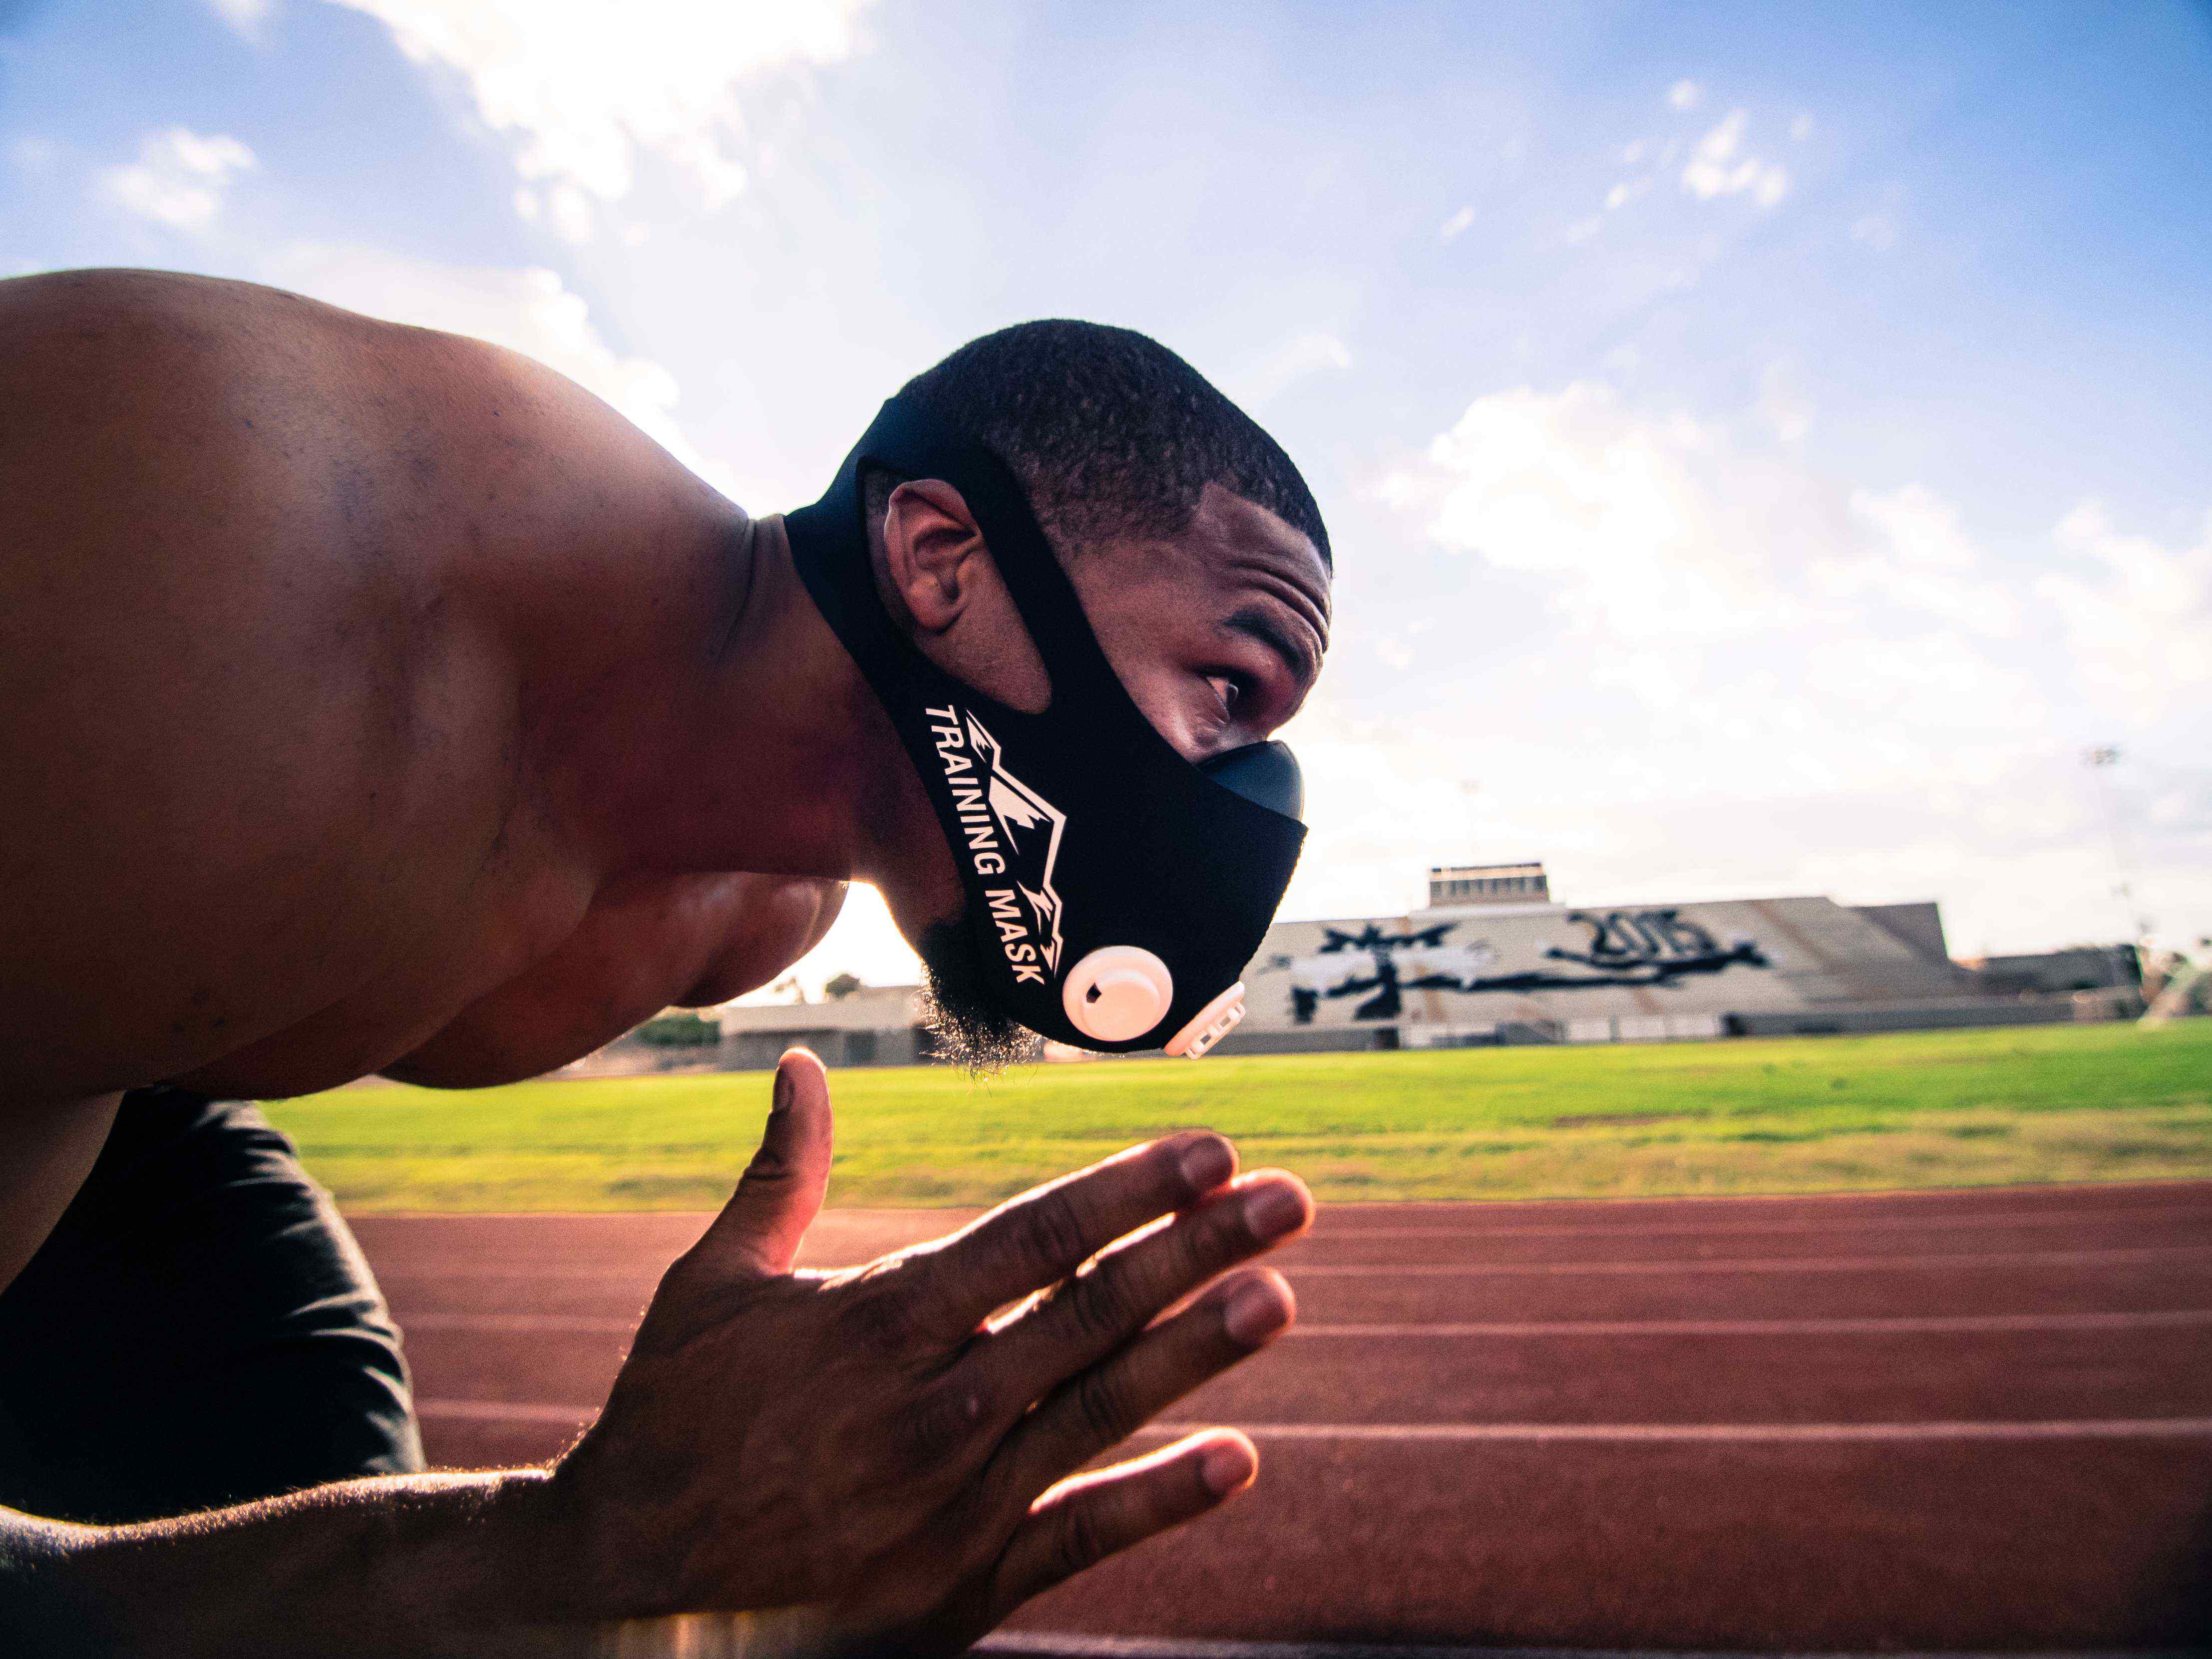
[1948, 1421]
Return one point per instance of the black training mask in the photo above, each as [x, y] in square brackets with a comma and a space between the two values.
[1115, 890]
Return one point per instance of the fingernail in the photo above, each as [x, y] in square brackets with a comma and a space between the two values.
[1273, 1209]
[1255, 1311]
[780, 1098]
[1225, 1465]
[1206, 1163]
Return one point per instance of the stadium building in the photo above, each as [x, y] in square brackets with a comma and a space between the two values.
[1492, 958]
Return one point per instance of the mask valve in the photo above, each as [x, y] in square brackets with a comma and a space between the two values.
[1117, 993]
[1213, 1022]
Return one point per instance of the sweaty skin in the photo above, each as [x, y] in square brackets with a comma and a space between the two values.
[308, 622]
[375, 700]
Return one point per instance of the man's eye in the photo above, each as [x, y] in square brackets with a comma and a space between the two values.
[1229, 690]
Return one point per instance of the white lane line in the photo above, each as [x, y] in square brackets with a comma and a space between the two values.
[572, 1324]
[1930, 1324]
[1783, 1264]
[644, 1275]
[2125, 1428]
[1840, 1227]
[1057, 1645]
[1708, 1265]
[1052, 1645]
[2175, 1319]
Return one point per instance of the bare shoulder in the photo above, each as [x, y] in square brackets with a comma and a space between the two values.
[256, 708]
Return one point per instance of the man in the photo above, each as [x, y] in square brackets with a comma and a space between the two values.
[371, 700]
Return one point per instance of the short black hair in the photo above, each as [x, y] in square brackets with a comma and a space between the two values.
[1111, 433]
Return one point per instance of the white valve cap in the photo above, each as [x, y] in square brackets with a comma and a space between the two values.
[1212, 1023]
[1117, 993]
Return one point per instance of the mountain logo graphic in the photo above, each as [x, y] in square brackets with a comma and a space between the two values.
[1010, 836]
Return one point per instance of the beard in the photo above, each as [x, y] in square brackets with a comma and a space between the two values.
[964, 1026]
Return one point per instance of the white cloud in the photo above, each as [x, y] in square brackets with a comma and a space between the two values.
[1783, 403]
[1620, 515]
[570, 211]
[1923, 528]
[1650, 527]
[1456, 225]
[1685, 94]
[1717, 168]
[529, 311]
[179, 178]
[1311, 353]
[1624, 192]
[2141, 628]
[1801, 129]
[1877, 231]
[1584, 228]
[1922, 561]
[246, 16]
[588, 85]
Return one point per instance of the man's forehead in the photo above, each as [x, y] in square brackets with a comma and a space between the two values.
[1239, 538]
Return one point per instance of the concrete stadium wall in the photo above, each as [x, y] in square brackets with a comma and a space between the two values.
[1306, 1040]
[1457, 973]
[758, 1051]
[1918, 924]
[1925, 1016]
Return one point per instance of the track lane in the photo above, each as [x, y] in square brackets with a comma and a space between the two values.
[1976, 1420]
[2157, 1371]
[1760, 1545]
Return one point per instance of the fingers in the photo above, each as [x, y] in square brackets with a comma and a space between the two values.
[781, 1192]
[1079, 1522]
[1083, 1319]
[1043, 1236]
[1102, 1406]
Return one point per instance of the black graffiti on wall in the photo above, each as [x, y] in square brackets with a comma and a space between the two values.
[1651, 947]
[1655, 948]
[1372, 938]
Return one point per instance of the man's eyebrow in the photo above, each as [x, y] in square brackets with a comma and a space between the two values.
[1297, 655]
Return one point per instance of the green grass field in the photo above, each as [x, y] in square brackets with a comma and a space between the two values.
[2051, 1103]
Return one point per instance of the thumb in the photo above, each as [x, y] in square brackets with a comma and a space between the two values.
[781, 1192]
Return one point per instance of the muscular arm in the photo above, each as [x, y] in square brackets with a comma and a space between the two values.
[821, 1465]
[412, 1564]
[297, 610]
[646, 945]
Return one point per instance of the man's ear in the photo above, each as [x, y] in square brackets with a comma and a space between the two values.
[933, 554]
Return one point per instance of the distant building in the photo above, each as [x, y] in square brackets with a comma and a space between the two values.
[875, 1025]
[2045, 973]
[1484, 968]
[1488, 884]
[1919, 924]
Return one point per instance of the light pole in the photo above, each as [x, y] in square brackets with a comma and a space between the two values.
[2100, 760]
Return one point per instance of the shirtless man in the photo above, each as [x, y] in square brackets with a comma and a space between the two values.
[373, 700]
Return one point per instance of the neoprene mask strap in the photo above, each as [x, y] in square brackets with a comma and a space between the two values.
[1112, 889]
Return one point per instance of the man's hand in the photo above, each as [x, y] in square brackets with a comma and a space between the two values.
[791, 1466]
[875, 1453]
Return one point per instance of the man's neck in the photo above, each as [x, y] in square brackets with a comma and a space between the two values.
[753, 742]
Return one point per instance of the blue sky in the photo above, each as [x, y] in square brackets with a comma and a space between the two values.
[1765, 446]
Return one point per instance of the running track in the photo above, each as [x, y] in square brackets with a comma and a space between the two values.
[1932, 1421]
